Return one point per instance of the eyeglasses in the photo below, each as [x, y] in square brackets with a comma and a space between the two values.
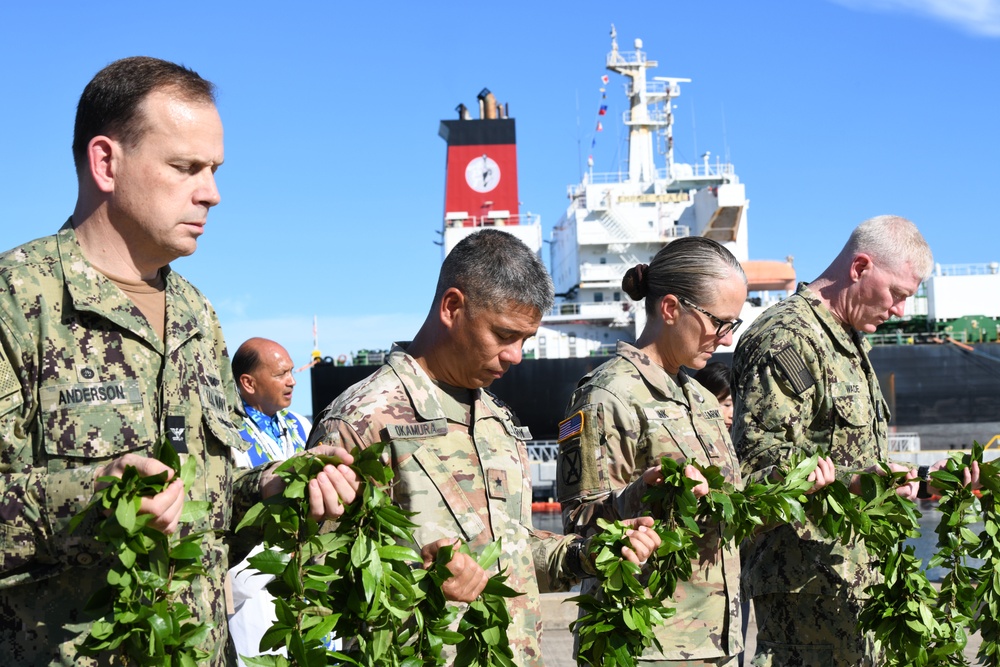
[723, 326]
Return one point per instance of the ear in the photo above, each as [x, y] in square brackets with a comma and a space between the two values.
[102, 153]
[452, 307]
[669, 309]
[860, 265]
[247, 384]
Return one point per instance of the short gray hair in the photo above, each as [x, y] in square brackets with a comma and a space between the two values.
[493, 269]
[894, 241]
[690, 268]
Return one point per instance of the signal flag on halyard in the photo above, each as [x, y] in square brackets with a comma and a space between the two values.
[600, 128]
[572, 425]
[603, 110]
[605, 79]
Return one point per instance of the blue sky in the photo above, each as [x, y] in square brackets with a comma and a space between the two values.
[332, 190]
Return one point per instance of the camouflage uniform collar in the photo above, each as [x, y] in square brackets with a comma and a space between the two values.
[848, 338]
[423, 393]
[427, 398]
[91, 291]
[655, 375]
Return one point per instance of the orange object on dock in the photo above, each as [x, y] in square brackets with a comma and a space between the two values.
[546, 507]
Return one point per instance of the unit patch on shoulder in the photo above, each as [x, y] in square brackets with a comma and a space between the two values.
[794, 369]
[572, 425]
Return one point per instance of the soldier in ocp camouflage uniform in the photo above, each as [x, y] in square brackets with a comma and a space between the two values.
[103, 349]
[458, 452]
[641, 406]
[802, 381]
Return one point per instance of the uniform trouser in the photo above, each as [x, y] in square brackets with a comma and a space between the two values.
[810, 631]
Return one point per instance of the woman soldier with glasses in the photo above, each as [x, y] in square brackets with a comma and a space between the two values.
[642, 405]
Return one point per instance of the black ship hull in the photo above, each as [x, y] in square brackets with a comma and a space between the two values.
[949, 395]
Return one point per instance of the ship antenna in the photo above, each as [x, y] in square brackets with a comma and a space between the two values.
[725, 139]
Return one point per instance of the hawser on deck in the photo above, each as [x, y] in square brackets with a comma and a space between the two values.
[942, 396]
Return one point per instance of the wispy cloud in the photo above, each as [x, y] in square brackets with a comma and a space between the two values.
[980, 17]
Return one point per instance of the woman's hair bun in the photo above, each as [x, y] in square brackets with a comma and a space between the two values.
[636, 282]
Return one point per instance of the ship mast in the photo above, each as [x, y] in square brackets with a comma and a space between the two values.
[649, 111]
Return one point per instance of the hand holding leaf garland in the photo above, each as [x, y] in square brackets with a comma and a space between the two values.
[987, 580]
[617, 625]
[900, 610]
[484, 624]
[140, 615]
[358, 582]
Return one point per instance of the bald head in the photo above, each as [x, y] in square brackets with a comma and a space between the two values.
[263, 372]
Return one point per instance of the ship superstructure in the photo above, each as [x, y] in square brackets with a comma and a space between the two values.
[619, 219]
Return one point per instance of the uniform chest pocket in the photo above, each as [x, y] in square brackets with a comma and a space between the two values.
[94, 420]
[447, 486]
[851, 405]
[669, 431]
[215, 414]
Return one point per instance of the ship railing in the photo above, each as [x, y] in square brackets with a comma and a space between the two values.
[603, 272]
[653, 117]
[548, 450]
[967, 269]
[543, 450]
[598, 310]
[684, 170]
[905, 338]
[904, 442]
[625, 57]
[671, 88]
[491, 219]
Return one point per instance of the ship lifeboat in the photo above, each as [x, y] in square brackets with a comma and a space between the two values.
[764, 275]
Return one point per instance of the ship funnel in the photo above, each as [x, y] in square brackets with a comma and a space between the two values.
[487, 104]
[463, 112]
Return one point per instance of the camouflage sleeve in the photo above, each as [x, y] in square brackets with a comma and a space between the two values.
[776, 396]
[597, 462]
[560, 561]
[330, 430]
[36, 504]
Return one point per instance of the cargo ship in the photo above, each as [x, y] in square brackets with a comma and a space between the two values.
[939, 366]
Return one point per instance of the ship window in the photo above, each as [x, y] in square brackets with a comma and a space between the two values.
[572, 345]
[604, 260]
[598, 297]
[618, 296]
[541, 347]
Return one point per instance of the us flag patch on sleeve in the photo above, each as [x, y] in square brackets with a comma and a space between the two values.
[572, 425]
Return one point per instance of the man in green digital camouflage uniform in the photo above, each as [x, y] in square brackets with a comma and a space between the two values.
[457, 451]
[104, 350]
[802, 381]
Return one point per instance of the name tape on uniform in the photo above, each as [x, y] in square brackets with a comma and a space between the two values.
[115, 392]
[420, 430]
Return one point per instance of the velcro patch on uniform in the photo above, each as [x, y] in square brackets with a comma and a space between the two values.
[522, 433]
[668, 411]
[73, 395]
[712, 414]
[10, 389]
[496, 482]
[571, 426]
[432, 428]
[794, 369]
